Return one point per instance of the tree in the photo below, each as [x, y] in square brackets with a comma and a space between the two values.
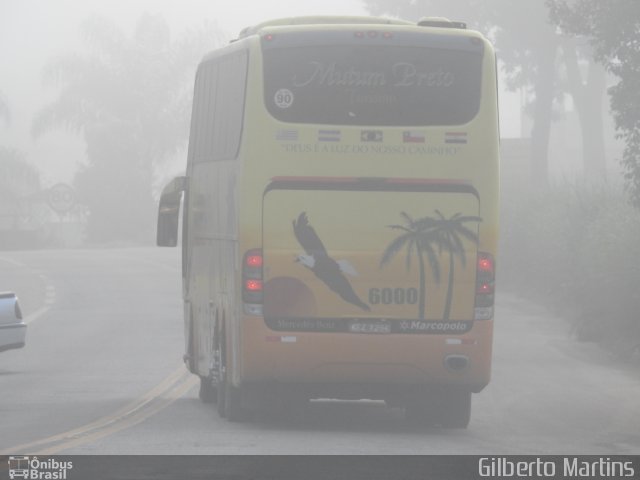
[528, 47]
[18, 178]
[19, 181]
[4, 109]
[449, 233]
[129, 97]
[613, 31]
[21, 213]
[587, 91]
[418, 236]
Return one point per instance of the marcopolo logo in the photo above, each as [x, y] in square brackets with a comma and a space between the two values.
[36, 469]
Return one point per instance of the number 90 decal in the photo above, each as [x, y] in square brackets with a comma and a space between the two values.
[397, 296]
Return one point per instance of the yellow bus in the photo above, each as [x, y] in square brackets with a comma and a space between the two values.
[340, 216]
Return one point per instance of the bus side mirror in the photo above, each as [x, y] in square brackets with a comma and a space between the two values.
[168, 212]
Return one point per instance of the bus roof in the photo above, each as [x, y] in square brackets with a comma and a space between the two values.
[321, 20]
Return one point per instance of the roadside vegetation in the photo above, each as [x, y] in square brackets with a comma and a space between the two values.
[576, 248]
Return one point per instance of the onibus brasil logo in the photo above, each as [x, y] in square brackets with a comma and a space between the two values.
[33, 468]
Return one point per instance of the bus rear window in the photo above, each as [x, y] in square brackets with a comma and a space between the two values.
[376, 81]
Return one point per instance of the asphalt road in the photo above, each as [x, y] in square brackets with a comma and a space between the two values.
[102, 374]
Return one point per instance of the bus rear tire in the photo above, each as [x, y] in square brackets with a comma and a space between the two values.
[456, 409]
[234, 409]
[208, 392]
[220, 393]
[220, 404]
[229, 403]
[229, 400]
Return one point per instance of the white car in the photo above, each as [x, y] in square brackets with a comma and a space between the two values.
[12, 329]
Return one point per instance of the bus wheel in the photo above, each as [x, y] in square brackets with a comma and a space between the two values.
[229, 397]
[229, 400]
[220, 404]
[220, 391]
[234, 409]
[208, 392]
[455, 409]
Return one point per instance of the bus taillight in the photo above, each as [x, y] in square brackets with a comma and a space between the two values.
[485, 263]
[254, 261]
[252, 281]
[253, 285]
[485, 286]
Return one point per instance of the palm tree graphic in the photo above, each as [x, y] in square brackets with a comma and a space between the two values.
[417, 236]
[423, 236]
[449, 233]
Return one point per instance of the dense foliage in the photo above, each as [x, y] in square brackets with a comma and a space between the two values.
[613, 30]
[576, 248]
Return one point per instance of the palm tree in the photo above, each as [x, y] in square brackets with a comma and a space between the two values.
[19, 183]
[130, 97]
[18, 178]
[419, 236]
[449, 233]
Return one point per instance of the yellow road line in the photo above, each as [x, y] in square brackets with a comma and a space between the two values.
[167, 391]
[125, 422]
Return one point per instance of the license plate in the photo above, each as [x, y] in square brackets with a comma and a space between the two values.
[361, 327]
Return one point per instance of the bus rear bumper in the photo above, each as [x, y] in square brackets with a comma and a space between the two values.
[259, 395]
[339, 362]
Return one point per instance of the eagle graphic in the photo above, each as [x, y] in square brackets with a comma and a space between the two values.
[316, 259]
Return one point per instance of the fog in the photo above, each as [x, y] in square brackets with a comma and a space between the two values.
[35, 32]
[95, 108]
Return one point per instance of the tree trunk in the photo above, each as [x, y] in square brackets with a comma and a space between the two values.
[587, 98]
[423, 286]
[544, 90]
[449, 299]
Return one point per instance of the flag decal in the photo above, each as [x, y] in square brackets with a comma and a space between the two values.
[455, 137]
[412, 136]
[371, 136]
[329, 135]
[287, 135]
